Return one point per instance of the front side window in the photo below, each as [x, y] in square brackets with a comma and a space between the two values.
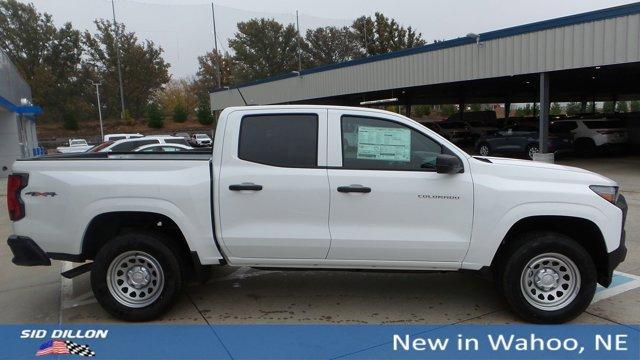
[375, 144]
[286, 140]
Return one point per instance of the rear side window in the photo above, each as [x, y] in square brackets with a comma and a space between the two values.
[605, 124]
[128, 146]
[287, 140]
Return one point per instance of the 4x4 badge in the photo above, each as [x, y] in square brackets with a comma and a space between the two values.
[43, 194]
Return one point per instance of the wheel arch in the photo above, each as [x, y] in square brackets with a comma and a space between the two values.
[105, 226]
[582, 230]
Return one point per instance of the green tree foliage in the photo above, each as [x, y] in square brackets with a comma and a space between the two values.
[208, 78]
[608, 107]
[70, 120]
[380, 34]
[263, 48]
[155, 118]
[555, 109]
[180, 113]
[144, 70]
[448, 109]
[330, 44]
[622, 106]
[634, 105]
[204, 114]
[49, 58]
[421, 110]
[573, 108]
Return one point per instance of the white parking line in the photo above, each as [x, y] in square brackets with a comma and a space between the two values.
[622, 282]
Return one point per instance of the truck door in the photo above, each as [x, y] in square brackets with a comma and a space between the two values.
[387, 201]
[273, 185]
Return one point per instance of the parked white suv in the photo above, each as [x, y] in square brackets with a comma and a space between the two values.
[318, 187]
[590, 134]
[128, 145]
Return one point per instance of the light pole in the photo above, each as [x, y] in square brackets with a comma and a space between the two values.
[117, 39]
[97, 85]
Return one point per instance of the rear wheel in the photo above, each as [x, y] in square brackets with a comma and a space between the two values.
[548, 278]
[532, 150]
[585, 147]
[137, 276]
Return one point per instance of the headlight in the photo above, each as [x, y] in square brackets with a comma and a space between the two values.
[609, 193]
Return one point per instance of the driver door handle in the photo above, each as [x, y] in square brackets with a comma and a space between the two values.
[245, 187]
[354, 188]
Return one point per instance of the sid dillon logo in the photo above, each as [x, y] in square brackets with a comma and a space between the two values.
[59, 343]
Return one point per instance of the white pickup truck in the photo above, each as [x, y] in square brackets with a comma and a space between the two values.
[318, 187]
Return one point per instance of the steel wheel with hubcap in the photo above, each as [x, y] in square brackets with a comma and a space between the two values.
[484, 150]
[532, 150]
[135, 279]
[549, 281]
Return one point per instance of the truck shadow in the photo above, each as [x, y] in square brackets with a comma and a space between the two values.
[258, 296]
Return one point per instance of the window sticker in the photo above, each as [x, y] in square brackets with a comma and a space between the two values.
[384, 143]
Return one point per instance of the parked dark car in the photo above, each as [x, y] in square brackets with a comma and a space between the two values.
[523, 140]
[436, 128]
[458, 132]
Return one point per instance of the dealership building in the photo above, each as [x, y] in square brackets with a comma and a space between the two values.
[586, 57]
[18, 137]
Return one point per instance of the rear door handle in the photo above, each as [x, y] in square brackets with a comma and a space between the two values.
[354, 188]
[245, 187]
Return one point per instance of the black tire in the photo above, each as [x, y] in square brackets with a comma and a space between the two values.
[488, 149]
[162, 250]
[534, 244]
[585, 147]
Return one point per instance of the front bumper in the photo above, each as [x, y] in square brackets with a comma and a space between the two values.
[26, 252]
[618, 255]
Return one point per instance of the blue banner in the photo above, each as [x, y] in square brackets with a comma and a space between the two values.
[321, 341]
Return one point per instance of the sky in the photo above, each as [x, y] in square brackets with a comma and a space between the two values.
[184, 28]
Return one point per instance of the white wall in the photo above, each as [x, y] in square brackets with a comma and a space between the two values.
[9, 146]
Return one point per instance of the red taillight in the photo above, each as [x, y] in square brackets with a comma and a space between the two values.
[15, 184]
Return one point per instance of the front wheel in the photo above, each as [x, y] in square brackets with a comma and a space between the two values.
[137, 276]
[548, 278]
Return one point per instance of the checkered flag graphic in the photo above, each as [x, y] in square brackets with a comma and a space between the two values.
[77, 349]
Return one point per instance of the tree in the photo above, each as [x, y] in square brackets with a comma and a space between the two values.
[180, 113]
[204, 114]
[634, 105]
[555, 109]
[608, 107]
[422, 110]
[48, 58]
[70, 121]
[573, 108]
[448, 109]
[144, 71]
[622, 106]
[330, 44]
[263, 48]
[382, 35]
[208, 78]
[177, 93]
[155, 119]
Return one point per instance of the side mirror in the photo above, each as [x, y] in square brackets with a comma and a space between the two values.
[448, 164]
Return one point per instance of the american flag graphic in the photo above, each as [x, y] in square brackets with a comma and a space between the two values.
[62, 347]
[53, 347]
